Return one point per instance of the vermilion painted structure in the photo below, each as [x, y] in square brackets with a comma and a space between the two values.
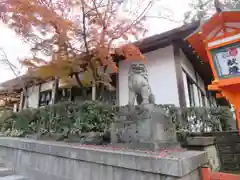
[217, 42]
[207, 174]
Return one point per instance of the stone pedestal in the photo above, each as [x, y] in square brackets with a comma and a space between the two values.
[146, 127]
[46, 160]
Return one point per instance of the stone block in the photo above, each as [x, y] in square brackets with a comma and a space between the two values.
[205, 144]
[213, 157]
[225, 148]
[200, 141]
[53, 159]
[145, 126]
[13, 177]
[123, 132]
[157, 131]
[153, 146]
[123, 111]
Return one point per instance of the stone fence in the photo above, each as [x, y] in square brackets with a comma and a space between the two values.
[40, 160]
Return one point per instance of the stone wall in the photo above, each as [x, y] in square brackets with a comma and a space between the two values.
[228, 145]
[40, 160]
[228, 149]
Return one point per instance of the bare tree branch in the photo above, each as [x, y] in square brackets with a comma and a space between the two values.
[16, 72]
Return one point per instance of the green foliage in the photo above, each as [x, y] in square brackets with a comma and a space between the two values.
[6, 120]
[95, 118]
[200, 119]
[65, 118]
[225, 116]
[210, 119]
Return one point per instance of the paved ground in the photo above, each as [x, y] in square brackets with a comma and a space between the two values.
[8, 174]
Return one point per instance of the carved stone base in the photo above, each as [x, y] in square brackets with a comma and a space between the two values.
[153, 146]
[148, 128]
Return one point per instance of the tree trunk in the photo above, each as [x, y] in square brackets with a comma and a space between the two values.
[80, 84]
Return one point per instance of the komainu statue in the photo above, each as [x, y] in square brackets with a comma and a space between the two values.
[139, 88]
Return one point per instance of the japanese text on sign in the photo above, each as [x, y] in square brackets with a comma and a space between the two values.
[227, 61]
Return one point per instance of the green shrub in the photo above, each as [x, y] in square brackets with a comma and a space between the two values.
[7, 120]
[215, 118]
[65, 118]
[225, 116]
[210, 118]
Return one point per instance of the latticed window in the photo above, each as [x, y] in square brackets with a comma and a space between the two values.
[191, 92]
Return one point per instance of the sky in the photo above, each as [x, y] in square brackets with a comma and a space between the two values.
[16, 49]
[177, 7]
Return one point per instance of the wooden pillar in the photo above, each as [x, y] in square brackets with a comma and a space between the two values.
[206, 173]
[179, 75]
[94, 92]
[25, 98]
[55, 90]
[180, 82]
[117, 89]
[15, 107]
[39, 91]
[21, 104]
[70, 94]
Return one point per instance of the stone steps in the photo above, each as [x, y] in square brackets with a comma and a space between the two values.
[8, 174]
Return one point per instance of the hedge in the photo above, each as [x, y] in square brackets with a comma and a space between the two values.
[66, 118]
[71, 118]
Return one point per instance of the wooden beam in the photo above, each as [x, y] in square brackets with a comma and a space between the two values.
[117, 87]
[213, 87]
[219, 95]
[235, 28]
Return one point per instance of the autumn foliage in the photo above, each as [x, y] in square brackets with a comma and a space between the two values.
[72, 36]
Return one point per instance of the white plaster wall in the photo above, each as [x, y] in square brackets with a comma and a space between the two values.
[33, 96]
[162, 77]
[46, 86]
[15, 107]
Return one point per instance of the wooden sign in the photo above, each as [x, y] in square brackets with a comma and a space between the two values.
[227, 60]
